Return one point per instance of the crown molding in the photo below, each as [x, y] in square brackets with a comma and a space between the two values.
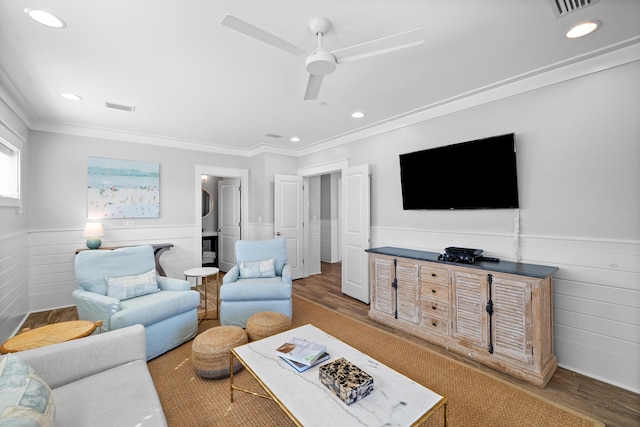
[612, 56]
[592, 62]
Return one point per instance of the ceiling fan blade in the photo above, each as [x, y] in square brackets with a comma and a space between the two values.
[379, 46]
[313, 87]
[260, 34]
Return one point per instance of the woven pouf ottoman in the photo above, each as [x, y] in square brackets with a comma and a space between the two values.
[210, 351]
[267, 323]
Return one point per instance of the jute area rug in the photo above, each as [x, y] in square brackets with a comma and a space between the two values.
[474, 397]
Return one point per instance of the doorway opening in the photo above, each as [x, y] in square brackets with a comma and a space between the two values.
[221, 205]
[323, 219]
[322, 195]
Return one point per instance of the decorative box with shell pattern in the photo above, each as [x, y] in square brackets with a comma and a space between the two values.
[346, 380]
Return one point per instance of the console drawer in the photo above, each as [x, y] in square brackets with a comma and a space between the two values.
[435, 308]
[435, 292]
[434, 275]
[436, 325]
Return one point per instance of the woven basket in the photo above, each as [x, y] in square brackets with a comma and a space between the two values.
[267, 323]
[210, 351]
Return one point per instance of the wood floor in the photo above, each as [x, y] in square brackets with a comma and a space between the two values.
[612, 405]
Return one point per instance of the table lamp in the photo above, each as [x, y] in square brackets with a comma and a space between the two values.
[94, 232]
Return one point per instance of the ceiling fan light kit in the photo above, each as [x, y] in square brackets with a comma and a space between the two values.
[321, 62]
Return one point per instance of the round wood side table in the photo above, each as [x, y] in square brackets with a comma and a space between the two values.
[49, 334]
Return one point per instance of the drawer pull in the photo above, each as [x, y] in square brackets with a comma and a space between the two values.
[434, 307]
[434, 324]
[433, 274]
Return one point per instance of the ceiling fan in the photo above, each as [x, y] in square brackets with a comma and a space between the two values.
[321, 62]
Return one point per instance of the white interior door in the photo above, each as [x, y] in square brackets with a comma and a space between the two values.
[228, 222]
[356, 232]
[288, 219]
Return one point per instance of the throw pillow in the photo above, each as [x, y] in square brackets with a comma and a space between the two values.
[126, 287]
[25, 399]
[255, 269]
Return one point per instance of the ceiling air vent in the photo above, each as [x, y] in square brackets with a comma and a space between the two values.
[120, 107]
[272, 135]
[564, 7]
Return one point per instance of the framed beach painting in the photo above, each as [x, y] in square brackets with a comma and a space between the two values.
[123, 188]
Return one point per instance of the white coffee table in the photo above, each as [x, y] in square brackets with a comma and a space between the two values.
[395, 400]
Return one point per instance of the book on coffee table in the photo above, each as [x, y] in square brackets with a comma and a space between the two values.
[301, 368]
[301, 351]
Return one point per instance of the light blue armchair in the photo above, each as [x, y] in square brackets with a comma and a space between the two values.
[260, 281]
[121, 288]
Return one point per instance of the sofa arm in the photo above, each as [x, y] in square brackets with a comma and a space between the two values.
[172, 284]
[231, 275]
[93, 306]
[286, 273]
[67, 362]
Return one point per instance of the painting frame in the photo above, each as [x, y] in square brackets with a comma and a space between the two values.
[118, 188]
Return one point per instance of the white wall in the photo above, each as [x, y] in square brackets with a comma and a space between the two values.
[579, 176]
[58, 211]
[14, 250]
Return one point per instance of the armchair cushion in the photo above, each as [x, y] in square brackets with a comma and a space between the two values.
[153, 308]
[256, 290]
[258, 250]
[126, 287]
[254, 269]
[93, 266]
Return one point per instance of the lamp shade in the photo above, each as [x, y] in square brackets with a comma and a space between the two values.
[93, 231]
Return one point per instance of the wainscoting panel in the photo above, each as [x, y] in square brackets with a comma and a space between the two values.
[330, 240]
[14, 287]
[313, 263]
[596, 293]
[52, 255]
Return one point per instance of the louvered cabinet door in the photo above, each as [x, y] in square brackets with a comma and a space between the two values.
[408, 301]
[381, 277]
[511, 322]
[470, 318]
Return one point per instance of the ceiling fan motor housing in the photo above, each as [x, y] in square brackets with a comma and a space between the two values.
[320, 63]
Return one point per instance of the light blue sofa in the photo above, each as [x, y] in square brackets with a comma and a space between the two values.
[101, 380]
[242, 297]
[106, 292]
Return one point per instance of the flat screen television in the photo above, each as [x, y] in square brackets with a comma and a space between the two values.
[478, 174]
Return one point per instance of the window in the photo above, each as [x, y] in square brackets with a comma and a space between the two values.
[9, 174]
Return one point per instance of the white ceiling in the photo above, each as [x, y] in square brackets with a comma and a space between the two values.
[193, 80]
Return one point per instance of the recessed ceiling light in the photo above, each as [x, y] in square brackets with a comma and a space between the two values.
[295, 139]
[358, 115]
[71, 96]
[45, 18]
[583, 29]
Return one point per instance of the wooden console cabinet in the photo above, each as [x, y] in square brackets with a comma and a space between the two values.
[496, 313]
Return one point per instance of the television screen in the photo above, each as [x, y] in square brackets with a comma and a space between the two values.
[478, 174]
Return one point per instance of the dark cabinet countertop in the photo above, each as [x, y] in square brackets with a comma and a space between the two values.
[518, 268]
